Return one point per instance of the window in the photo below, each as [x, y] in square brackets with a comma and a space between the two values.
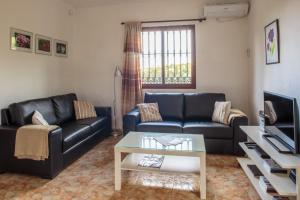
[168, 58]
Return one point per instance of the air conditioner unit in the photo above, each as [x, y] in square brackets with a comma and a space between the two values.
[226, 10]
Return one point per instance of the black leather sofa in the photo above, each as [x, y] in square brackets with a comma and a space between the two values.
[190, 113]
[66, 143]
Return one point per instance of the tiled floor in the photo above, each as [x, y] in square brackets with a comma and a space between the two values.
[92, 177]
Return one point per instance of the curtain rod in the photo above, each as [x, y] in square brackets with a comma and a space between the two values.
[179, 20]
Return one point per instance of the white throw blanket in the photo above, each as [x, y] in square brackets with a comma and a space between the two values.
[235, 113]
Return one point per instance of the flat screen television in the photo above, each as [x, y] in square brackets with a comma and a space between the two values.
[282, 122]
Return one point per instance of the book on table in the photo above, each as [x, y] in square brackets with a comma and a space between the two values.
[255, 171]
[267, 186]
[261, 152]
[273, 166]
[250, 145]
[280, 198]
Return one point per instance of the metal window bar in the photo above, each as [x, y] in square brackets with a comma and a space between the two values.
[155, 75]
[180, 53]
[168, 62]
[149, 55]
[174, 56]
[143, 58]
[187, 54]
[163, 56]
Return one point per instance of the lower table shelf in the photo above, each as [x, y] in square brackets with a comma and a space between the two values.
[244, 162]
[178, 164]
[281, 182]
[255, 181]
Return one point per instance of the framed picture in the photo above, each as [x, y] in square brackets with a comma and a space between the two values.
[272, 44]
[61, 48]
[43, 45]
[21, 40]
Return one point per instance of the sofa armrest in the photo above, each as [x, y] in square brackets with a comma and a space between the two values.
[131, 120]
[5, 117]
[238, 134]
[55, 153]
[47, 169]
[7, 138]
[105, 112]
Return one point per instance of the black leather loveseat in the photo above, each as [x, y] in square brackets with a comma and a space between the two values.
[66, 143]
[190, 113]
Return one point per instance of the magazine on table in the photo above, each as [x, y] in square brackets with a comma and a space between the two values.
[169, 140]
[151, 161]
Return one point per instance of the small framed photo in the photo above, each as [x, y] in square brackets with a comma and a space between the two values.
[61, 48]
[21, 40]
[43, 45]
[272, 43]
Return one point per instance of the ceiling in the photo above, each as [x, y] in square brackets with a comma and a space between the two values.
[91, 3]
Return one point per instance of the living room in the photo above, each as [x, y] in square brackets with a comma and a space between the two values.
[88, 59]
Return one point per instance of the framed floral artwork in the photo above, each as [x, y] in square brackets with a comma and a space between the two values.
[21, 40]
[272, 43]
[61, 48]
[43, 45]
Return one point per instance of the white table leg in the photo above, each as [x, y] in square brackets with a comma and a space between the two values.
[203, 176]
[117, 170]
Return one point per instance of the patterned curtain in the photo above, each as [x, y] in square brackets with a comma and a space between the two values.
[132, 83]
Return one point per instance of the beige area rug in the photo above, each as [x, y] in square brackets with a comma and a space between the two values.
[92, 177]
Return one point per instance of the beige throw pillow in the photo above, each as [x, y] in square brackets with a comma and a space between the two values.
[149, 112]
[84, 110]
[38, 119]
[221, 112]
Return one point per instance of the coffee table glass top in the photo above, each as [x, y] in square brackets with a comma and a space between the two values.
[146, 140]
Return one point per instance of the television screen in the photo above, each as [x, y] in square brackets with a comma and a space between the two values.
[281, 118]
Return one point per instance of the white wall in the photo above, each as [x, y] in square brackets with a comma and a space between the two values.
[283, 78]
[29, 75]
[222, 63]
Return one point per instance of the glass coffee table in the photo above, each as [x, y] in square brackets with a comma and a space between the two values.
[187, 157]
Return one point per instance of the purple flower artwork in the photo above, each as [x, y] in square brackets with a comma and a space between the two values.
[271, 35]
[272, 43]
[21, 40]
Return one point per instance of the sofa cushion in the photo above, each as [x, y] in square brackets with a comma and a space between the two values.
[96, 123]
[170, 104]
[73, 133]
[22, 112]
[64, 107]
[200, 106]
[210, 130]
[160, 127]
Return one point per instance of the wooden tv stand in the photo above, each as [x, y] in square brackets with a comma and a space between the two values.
[281, 182]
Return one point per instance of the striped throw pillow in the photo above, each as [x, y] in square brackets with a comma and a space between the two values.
[84, 109]
[38, 119]
[149, 112]
[221, 112]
